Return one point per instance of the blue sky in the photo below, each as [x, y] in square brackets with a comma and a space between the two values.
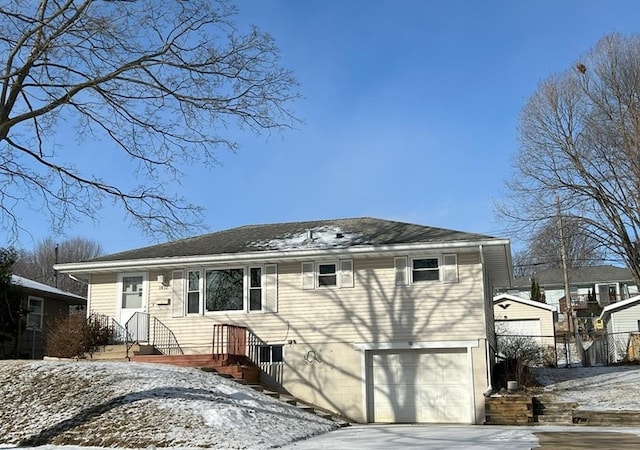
[410, 111]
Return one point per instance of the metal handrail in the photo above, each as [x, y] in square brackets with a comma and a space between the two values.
[117, 334]
[157, 335]
[137, 326]
[164, 339]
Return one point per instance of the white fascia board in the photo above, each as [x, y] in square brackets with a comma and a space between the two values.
[514, 298]
[410, 345]
[618, 305]
[275, 255]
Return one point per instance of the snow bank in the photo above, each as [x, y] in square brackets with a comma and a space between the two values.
[136, 405]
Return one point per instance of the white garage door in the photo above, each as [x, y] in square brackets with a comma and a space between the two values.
[419, 386]
[520, 328]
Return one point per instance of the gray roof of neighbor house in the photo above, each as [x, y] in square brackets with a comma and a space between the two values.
[339, 233]
[44, 290]
[578, 275]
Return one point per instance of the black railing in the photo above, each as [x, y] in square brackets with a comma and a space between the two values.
[110, 330]
[157, 334]
[164, 339]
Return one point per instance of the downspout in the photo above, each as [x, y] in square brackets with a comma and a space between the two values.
[486, 341]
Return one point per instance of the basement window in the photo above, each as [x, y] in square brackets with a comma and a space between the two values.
[271, 354]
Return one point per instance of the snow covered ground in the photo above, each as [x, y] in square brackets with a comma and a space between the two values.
[131, 405]
[136, 405]
[594, 388]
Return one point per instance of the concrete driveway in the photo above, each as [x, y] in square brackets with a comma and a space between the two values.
[474, 437]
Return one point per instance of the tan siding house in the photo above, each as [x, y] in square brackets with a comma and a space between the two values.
[519, 316]
[379, 321]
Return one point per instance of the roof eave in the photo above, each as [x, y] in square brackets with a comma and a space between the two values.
[279, 255]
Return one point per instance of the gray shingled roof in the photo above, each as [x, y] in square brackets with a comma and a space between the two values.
[37, 288]
[579, 275]
[338, 233]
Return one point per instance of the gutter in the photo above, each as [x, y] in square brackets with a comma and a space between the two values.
[280, 255]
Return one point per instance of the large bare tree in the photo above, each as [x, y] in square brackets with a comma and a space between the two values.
[37, 263]
[580, 146]
[543, 247]
[161, 82]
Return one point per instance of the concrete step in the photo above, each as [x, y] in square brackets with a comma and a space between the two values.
[607, 418]
[556, 419]
[111, 352]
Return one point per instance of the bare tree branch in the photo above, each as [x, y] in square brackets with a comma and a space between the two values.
[161, 81]
[580, 142]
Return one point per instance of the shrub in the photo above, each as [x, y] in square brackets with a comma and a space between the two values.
[518, 354]
[73, 336]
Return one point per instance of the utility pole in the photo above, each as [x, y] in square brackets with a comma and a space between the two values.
[565, 271]
[55, 272]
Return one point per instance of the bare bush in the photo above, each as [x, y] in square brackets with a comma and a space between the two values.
[518, 354]
[74, 336]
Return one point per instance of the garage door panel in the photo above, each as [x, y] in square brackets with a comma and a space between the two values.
[420, 386]
[519, 328]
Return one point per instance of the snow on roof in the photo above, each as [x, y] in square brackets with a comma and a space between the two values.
[515, 298]
[315, 238]
[41, 287]
[618, 305]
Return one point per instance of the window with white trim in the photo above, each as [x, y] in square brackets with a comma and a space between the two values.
[271, 354]
[255, 289]
[34, 316]
[224, 290]
[424, 269]
[327, 274]
[193, 292]
[228, 289]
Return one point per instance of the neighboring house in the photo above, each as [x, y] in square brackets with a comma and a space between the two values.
[620, 319]
[44, 305]
[377, 320]
[519, 316]
[609, 284]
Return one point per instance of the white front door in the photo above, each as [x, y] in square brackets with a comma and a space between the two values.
[133, 300]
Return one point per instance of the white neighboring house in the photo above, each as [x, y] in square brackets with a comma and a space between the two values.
[620, 319]
[519, 316]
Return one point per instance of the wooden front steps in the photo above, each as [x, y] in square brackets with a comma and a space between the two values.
[235, 367]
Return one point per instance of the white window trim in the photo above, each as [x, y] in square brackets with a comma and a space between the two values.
[249, 288]
[200, 292]
[245, 291]
[145, 291]
[266, 270]
[411, 269]
[335, 274]
[442, 267]
[271, 354]
[31, 297]
[310, 271]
